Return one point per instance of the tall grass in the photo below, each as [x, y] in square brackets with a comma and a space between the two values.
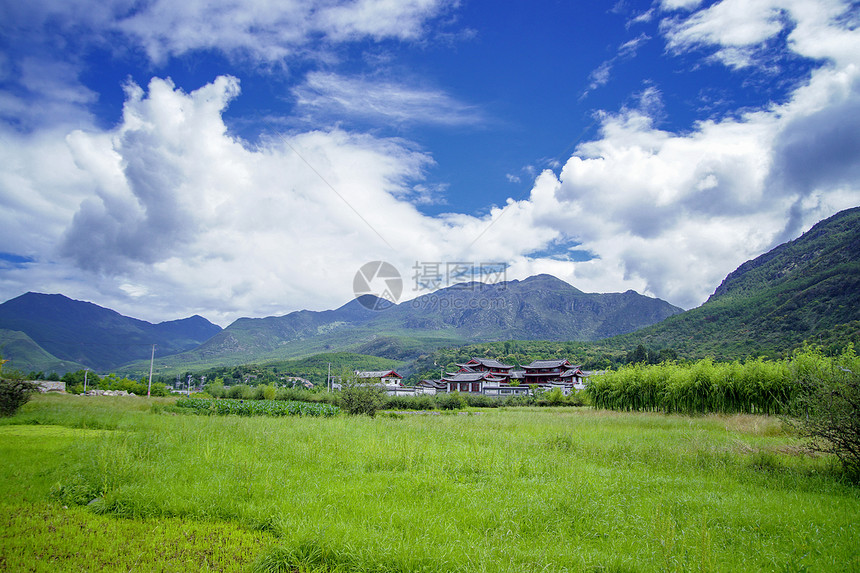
[497, 491]
[752, 387]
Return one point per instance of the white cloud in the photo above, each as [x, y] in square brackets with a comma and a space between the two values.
[330, 95]
[680, 4]
[271, 31]
[167, 210]
[738, 28]
[403, 19]
[674, 213]
[600, 76]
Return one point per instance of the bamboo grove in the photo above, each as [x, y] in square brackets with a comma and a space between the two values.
[751, 387]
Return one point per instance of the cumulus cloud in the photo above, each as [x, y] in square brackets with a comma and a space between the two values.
[176, 198]
[170, 210]
[676, 212]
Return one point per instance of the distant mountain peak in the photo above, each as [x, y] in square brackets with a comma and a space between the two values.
[100, 338]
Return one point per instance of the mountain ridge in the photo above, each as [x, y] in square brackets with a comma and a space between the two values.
[797, 291]
[100, 338]
[536, 307]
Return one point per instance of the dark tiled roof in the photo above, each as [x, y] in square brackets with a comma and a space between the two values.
[547, 363]
[489, 363]
[575, 371]
[471, 377]
[466, 368]
[378, 374]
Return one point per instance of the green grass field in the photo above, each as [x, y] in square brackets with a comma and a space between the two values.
[125, 484]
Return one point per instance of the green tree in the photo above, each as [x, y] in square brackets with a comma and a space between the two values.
[359, 397]
[826, 407]
[14, 392]
[451, 401]
[638, 356]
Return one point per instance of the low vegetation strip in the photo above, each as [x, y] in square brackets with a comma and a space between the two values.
[752, 387]
[257, 407]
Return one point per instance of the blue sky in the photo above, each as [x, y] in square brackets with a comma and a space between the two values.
[245, 159]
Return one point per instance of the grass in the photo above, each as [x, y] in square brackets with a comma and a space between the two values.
[498, 491]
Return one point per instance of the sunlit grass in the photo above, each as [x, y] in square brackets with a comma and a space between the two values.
[507, 491]
[51, 538]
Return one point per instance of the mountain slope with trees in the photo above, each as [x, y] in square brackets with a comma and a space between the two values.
[97, 337]
[804, 290]
[539, 307]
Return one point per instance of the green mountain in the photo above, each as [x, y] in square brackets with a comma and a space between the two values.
[25, 355]
[99, 338]
[804, 290]
[539, 307]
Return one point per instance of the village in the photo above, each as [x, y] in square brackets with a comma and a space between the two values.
[485, 376]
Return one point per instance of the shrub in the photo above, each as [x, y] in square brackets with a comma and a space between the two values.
[240, 392]
[268, 392]
[452, 401]
[481, 401]
[303, 395]
[826, 406]
[422, 402]
[216, 389]
[514, 401]
[358, 398]
[13, 395]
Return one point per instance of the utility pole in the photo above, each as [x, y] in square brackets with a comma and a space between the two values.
[86, 371]
[151, 361]
[328, 380]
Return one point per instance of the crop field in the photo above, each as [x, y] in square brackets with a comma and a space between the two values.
[129, 484]
[256, 407]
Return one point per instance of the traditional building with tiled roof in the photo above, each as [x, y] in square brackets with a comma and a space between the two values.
[550, 373]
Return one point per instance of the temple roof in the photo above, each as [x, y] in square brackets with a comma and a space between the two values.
[377, 374]
[548, 364]
[575, 371]
[439, 384]
[471, 377]
[489, 363]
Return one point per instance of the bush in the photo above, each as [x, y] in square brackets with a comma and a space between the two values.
[303, 395]
[452, 401]
[422, 402]
[268, 392]
[240, 392]
[515, 401]
[481, 401]
[358, 398]
[826, 406]
[13, 395]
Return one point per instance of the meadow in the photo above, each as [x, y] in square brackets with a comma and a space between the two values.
[130, 484]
